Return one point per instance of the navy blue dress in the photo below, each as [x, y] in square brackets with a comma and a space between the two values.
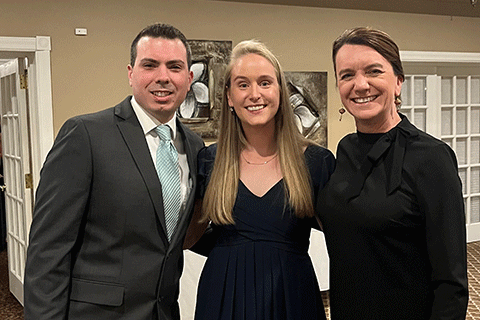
[259, 268]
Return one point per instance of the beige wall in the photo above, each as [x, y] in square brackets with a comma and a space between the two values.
[89, 73]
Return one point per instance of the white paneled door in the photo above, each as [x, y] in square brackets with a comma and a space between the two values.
[17, 167]
[447, 105]
[460, 128]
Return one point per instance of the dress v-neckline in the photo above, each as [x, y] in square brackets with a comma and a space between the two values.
[266, 192]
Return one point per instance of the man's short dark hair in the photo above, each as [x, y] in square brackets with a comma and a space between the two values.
[160, 30]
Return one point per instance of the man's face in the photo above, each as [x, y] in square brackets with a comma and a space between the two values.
[160, 78]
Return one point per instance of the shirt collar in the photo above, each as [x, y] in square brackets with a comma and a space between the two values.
[389, 148]
[148, 122]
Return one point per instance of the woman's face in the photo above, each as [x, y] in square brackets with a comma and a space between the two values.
[367, 86]
[254, 91]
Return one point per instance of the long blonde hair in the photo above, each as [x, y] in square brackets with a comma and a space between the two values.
[222, 189]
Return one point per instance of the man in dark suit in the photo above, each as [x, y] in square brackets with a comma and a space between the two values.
[99, 247]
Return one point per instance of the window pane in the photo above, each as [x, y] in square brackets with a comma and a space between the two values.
[461, 90]
[420, 85]
[475, 120]
[449, 142]
[15, 189]
[461, 150]
[447, 89]
[475, 90]
[406, 92]
[16, 134]
[6, 103]
[420, 119]
[462, 173]
[6, 144]
[461, 121]
[407, 114]
[475, 151]
[475, 178]
[447, 121]
[475, 210]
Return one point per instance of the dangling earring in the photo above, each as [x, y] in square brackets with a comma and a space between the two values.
[398, 101]
[341, 111]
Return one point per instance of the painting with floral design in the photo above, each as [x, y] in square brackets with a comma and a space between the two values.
[308, 97]
[201, 108]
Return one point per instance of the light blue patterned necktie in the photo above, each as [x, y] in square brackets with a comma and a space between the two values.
[169, 175]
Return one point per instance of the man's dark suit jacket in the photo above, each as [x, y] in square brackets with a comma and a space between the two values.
[98, 245]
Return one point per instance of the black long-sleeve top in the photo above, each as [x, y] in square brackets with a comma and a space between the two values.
[393, 217]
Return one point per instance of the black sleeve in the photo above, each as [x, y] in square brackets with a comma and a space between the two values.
[206, 242]
[206, 159]
[440, 195]
[320, 163]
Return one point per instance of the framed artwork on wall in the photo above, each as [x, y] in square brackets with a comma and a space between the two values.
[201, 108]
[308, 97]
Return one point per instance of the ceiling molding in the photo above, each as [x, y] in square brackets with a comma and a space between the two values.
[460, 8]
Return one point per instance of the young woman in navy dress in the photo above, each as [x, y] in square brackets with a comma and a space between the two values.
[260, 182]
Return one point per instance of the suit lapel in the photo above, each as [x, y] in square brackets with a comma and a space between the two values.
[191, 154]
[184, 217]
[134, 137]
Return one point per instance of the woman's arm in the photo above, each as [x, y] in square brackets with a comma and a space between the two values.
[440, 196]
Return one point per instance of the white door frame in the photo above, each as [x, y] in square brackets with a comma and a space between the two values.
[445, 59]
[17, 164]
[40, 93]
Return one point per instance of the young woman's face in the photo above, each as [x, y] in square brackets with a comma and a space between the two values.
[254, 91]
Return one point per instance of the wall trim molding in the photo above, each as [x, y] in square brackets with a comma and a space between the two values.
[440, 57]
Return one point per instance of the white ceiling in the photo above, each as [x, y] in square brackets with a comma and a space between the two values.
[462, 8]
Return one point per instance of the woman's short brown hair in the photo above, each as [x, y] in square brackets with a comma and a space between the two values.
[376, 39]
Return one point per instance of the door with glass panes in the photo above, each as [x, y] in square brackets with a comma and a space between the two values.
[445, 102]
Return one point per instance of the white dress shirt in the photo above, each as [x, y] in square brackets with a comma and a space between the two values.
[148, 124]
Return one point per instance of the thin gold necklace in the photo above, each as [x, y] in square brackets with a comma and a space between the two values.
[259, 164]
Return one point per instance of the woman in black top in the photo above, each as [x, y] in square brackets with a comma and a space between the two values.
[393, 211]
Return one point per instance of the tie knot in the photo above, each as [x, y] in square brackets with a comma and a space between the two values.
[163, 132]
